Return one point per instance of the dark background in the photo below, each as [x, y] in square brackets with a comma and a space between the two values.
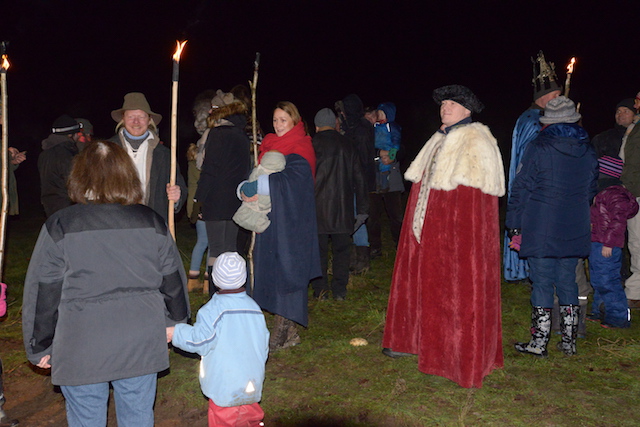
[82, 57]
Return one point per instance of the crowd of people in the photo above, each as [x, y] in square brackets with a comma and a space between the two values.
[105, 257]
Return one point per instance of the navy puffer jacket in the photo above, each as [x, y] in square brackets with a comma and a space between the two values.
[552, 191]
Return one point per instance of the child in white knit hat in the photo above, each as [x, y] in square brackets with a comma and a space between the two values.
[231, 335]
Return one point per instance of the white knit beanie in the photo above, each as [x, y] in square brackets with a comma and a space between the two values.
[229, 271]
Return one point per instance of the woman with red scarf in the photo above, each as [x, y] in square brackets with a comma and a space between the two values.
[286, 254]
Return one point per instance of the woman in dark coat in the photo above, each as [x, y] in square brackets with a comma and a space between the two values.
[104, 281]
[227, 161]
[287, 255]
[548, 219]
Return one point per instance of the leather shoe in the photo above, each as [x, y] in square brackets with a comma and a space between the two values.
[395, 354]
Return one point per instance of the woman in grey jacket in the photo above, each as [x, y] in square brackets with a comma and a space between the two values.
[104, 282]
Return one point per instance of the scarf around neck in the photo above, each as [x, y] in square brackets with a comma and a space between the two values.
[295, 141]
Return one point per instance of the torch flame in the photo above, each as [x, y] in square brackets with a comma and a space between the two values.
[179, 46]
[5, 62]
[570, 66]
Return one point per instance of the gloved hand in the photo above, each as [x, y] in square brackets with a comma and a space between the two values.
[515, 243]
[360, 219]
[249, 189]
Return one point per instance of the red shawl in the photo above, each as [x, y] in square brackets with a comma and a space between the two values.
[295, 141]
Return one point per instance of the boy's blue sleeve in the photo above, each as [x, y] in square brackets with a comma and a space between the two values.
[200, 338]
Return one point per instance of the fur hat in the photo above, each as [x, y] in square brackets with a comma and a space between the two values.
[229, 271]
[545, 79]
[135, 101]
[627, 103]
[560, 110]
[221, 99]
[460, 94]
[65, 125]
[325, 117]
[224, 104]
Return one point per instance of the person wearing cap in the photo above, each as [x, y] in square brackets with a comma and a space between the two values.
[339, 179]
[545, 88]
[630, 154]
[104, 282]
[231, 335]
[549, 222]
[137, 133]
[54, 163]
[444, 303]
[227, 162]
[608, 143]
[360, 131]
[87, 129]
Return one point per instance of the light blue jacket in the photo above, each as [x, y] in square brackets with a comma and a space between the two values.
[231, 335]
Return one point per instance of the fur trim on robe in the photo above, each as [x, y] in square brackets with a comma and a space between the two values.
[469, 156]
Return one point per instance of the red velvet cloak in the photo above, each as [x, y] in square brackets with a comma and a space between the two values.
[444, 303]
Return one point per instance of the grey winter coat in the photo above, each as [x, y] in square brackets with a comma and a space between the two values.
[103, 283]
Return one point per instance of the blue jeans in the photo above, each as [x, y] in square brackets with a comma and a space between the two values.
[87, 404]
[360, 237]
[608, 291]
[549, 275]
[201, 245]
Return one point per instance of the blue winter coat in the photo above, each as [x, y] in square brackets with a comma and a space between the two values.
[552, 191]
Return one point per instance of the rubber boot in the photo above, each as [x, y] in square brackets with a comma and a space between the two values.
[5, 421]
[284, 334]
[540, 331]
[569, 315]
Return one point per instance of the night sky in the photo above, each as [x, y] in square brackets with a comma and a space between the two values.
[82, 57]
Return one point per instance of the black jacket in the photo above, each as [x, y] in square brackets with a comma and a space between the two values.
[338, 179]
[54, 164]
[227, 162]
[362, 135]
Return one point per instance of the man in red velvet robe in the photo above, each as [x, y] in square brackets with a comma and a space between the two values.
[444, 303]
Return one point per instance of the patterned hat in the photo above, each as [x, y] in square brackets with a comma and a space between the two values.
[560, 110]
[229, 271]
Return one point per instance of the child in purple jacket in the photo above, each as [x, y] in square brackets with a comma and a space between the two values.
[609, 213]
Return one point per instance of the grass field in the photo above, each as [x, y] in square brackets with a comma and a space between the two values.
[327, 382]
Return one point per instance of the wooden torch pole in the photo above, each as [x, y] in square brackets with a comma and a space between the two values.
[174, 131]
[4, 182]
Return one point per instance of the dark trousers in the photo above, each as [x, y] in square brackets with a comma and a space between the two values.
[222, 236]
[341, 245]
[391, 203]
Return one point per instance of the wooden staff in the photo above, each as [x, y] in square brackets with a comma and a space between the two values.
[174, 130]
[254, 128]
[4, 182]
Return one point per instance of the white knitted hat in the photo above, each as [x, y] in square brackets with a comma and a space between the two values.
[229, 271]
